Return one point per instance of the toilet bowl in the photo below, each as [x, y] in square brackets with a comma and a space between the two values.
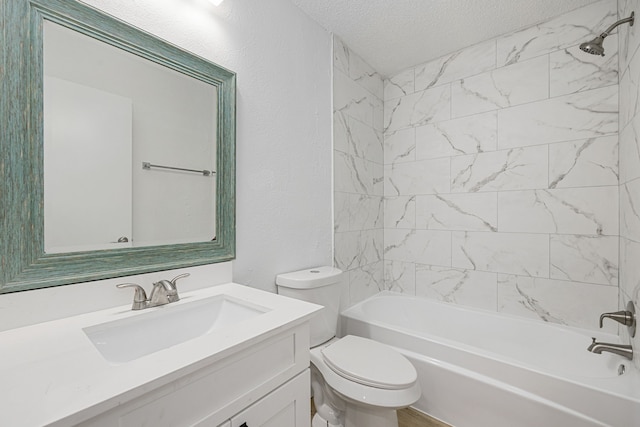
[355, 381]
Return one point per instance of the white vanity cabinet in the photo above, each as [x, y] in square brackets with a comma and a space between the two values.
[238, 355]
[266, 384]
[288, 406]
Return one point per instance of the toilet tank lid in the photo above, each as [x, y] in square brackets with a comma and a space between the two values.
[309, 278]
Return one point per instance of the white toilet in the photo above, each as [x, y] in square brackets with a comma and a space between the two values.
[356, 382]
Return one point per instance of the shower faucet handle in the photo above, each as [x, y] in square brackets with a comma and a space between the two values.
[625, 317]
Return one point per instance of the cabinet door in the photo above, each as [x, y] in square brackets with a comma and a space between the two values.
[287, 406]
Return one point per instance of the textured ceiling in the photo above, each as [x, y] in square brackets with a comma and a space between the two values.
[392, 35]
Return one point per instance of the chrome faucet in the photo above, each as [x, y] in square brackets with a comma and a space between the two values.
[619, 349]
[163, 292]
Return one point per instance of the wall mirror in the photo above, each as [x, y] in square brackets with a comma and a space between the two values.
[118, 150]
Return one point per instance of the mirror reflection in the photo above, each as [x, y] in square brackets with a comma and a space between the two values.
[127, 147]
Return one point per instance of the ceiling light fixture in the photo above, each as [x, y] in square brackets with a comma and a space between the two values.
[216, 2]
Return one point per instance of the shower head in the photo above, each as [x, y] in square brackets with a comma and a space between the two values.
[595, 46]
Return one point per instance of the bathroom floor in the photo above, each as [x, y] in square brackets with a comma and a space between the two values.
[411, 418]
[408, 418]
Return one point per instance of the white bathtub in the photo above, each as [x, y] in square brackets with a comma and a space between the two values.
[479, 368]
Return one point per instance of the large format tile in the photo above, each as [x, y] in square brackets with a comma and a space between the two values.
[630, 150]
[418, 246]
[352, 99]
[629, 91]
[566, 30]
[354, 137]
[400, 146]
[463, 63]
[588, 259]
[342, 211]
[354, 249]
[400, 212]
[591, 210]
[401, 84]
[583, 163]
[465, 212]
[363, 74]
[486, 181]
[352, 65]
[366, 212]
[580, 115]
[515, 169]
[630, 210]
[467, 135]
[341, 53]
[400, 276]
[378, 114]
[628, 36]
[365, 281]
[571, 70]
[501, 88]
[629, 283]
[356, 175]
[516, 253]
[420, 177]
[629, 273]
[420, 108]
[554, 301]
[466, 287]
[341, 132]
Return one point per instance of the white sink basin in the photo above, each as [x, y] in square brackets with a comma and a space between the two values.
[127, 339]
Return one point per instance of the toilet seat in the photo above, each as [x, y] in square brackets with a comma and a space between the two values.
[357, 391]
[369, 363]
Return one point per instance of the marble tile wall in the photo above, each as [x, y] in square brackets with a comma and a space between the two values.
[501, 174]
[629, 125]
[358, 174]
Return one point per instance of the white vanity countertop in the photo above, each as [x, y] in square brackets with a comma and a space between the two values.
[51, 373]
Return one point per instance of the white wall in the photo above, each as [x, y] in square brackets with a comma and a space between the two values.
[283, 63]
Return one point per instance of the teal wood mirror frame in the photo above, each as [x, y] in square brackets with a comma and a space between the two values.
[24, 265]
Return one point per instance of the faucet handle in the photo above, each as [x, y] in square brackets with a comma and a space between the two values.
[174, 297]
[624, 317]
[180, 276]
[139, 297]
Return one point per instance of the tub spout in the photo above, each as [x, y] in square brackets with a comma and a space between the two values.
[619, 349]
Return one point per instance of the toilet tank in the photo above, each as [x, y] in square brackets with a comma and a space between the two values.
[321, 286]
